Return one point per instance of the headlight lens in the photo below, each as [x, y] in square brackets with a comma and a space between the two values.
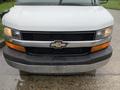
[10, 33]
[16, 34]
[104, 33]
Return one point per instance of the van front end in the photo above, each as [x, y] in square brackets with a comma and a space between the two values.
[57, 38]
[57, 57]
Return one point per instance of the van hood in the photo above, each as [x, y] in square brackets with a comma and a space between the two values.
[58, 18]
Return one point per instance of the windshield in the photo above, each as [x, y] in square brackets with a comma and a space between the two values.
[57, 2]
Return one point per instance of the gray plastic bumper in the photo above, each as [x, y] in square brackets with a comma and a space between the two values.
[45, 64]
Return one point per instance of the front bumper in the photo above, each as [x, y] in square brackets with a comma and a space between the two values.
[55, 64]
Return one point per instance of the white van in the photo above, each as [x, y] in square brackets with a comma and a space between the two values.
[57, 36]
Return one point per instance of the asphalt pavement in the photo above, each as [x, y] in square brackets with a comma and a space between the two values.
[106, 78]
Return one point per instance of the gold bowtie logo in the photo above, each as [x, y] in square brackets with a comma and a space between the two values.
[58, 44]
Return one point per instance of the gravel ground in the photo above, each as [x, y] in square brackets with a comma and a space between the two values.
[106, 78]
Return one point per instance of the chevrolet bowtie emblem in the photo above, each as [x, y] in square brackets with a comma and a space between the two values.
[58, 44]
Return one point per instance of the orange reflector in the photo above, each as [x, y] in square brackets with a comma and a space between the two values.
[16, 47]
[100, 47]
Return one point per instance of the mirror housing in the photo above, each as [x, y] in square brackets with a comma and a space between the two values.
[103, 1]
[3, 13]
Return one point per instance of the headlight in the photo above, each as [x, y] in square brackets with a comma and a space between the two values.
[10, 33]
[104, 33]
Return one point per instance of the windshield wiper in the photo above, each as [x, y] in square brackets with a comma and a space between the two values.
[75, 4]
[60, 2]
[92, 2]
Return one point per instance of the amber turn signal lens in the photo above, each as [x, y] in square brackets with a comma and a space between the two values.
[100, 47]
[16, 47]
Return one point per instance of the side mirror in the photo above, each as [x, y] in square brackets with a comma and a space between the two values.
[3, 13]
[103, 1]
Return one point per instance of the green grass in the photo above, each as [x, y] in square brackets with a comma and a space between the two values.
[3, 7]
[113, 4]
[1, 28]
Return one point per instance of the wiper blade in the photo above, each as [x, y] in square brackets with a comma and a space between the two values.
[60, 2]
[75, 4]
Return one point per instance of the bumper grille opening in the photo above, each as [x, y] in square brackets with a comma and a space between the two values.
[52, 51]
[51, 36]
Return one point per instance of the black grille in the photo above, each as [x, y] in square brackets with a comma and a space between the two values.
[37, 51]
[51, 36]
